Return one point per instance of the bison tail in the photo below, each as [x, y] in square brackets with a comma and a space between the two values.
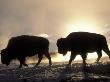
[106, 49]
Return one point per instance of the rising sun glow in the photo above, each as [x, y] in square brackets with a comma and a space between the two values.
[82, 25]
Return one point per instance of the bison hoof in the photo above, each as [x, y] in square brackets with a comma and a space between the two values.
[50, 65]
[20, 66]
[98, 62]
[68, 65]
[25, 65]
[36, 65]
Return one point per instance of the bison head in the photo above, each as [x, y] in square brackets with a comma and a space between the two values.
[5, 59]
[62, 46]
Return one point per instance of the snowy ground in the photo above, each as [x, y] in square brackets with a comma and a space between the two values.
[57, 73]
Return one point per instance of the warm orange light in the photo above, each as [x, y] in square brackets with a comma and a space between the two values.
[82, 25]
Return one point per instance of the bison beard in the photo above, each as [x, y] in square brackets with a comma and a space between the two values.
[22, 46]
[83, 43]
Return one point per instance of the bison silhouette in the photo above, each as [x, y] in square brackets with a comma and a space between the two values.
[83, 43]
[22, 46]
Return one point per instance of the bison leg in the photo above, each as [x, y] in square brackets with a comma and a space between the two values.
[49, 58]
[72, 57]
[99, 56]
[25, 64]
[20, 65]
[22, 62]
[107, 51]
[40, 56]
[84, 56]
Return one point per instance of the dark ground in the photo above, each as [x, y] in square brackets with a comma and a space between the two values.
[57, 73]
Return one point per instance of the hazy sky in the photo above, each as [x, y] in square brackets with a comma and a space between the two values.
[53, 18]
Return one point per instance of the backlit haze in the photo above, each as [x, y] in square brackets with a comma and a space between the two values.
[54, 19]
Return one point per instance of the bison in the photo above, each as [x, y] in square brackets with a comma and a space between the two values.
[83, 43]
[24, 46]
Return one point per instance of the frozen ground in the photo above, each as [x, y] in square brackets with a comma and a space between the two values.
[57, 73]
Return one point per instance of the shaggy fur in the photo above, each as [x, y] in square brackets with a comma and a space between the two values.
[22, 46]
[83, 43]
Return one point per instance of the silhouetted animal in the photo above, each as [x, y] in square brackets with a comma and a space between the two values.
[83, 43]
[22, 46]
